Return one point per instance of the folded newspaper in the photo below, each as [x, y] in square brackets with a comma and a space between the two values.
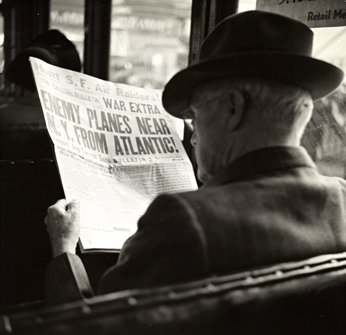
[116, 149]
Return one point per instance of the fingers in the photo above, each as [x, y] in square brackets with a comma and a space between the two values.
[61, 208]
[62, 203]
[73, 206]
[73, 209]
[58, 209]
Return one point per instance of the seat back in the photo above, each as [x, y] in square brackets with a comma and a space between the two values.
[307, 297]
[27, 189]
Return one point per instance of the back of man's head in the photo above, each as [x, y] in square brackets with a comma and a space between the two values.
[277, 109]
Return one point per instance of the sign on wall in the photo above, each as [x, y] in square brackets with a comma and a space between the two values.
[314, 13]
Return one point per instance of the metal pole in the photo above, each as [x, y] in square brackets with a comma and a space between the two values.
[205, 15]
[97, 25]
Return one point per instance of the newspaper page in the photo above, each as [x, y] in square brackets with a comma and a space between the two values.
[116, 149]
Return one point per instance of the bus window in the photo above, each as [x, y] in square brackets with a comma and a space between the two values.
[245, 5]
[68, 17]
[149, 41]
[325, 135]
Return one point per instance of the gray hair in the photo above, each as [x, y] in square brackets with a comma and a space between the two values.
[284, 106]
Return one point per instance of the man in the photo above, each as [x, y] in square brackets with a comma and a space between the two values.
[22, 122]
[250, 97]
[53, 47]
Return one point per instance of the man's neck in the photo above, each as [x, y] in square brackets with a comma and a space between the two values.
[241, 147]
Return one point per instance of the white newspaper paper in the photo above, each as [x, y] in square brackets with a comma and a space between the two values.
[116, 149]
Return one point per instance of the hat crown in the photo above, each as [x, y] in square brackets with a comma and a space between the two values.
[255, 44]
[52, 47]
[256, 31]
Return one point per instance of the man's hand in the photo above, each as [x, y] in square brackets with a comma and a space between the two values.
[62, 222]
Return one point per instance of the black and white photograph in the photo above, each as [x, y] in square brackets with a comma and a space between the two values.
[173, 167]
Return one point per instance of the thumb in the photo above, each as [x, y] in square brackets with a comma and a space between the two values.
[73, 206]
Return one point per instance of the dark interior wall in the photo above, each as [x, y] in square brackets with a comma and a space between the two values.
[27, 188]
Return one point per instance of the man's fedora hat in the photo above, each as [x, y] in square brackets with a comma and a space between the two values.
[51, 46]
[256, 44]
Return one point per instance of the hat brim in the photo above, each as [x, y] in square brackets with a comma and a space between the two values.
[318, 77]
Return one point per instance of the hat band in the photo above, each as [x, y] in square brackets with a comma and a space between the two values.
[204, 56]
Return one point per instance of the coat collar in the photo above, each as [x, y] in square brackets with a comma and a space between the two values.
[263, 161]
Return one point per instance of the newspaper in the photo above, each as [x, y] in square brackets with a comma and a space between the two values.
[116, 149]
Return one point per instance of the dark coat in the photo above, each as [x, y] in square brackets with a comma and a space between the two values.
[268, 206]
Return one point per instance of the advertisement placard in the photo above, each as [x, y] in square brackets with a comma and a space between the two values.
[314, 13]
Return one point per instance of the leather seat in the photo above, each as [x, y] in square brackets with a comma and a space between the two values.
[305, 297]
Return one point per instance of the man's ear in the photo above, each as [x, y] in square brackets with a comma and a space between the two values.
[236, 101]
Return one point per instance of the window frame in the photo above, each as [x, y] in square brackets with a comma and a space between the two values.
[21, 28]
